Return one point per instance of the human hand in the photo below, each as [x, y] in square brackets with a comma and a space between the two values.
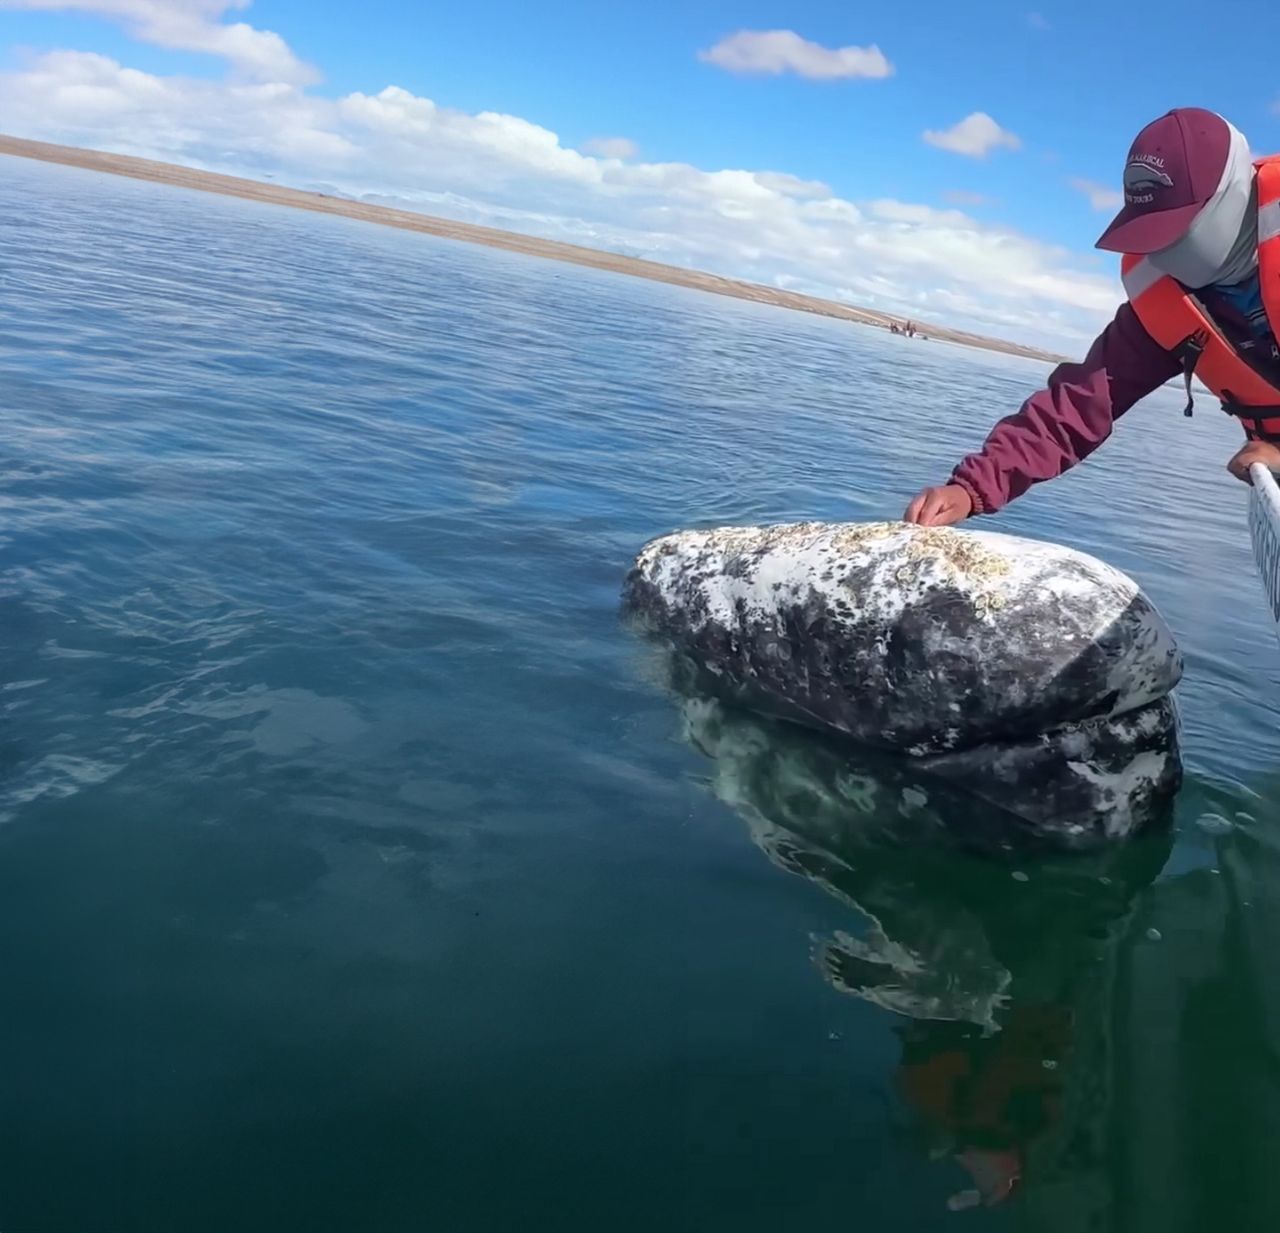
[1251, 452]
[940, 507]
[995, 1174]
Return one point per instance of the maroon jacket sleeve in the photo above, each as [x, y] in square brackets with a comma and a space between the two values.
[1065, 422]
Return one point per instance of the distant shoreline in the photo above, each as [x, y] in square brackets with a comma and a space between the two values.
[555, 250]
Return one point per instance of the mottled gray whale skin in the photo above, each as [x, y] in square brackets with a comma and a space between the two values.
[1029, 674]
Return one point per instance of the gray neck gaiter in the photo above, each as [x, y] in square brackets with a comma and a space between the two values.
[1221, 245]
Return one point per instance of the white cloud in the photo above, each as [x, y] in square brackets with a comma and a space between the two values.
[907, 212]
[975, 136]
[783, 51]
[793, 186]
[496, 145]
[193, 25]
[1038, 21]
[611, 147]
[399, 148]
[1100, 196]
[89, 99]
[963, 197]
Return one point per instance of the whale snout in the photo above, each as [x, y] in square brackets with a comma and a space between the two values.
[923, 641]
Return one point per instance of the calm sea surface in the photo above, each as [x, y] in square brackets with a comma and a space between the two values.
[354, 872]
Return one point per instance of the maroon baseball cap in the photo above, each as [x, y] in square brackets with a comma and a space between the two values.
[1174, 166]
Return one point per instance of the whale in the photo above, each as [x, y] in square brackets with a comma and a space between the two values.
[884, 839]
[1028, 674]
[998, 972]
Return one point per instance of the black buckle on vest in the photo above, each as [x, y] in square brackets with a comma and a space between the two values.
[1188, 353]
[1256, 415]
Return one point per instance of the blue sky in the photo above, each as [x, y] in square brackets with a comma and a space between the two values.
[1071, 83]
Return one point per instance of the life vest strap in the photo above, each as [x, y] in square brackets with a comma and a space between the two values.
[1260, 422]
[1188, 352]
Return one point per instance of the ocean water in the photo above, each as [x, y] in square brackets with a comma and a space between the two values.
[355, 871]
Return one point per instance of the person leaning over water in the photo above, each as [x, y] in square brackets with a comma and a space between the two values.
[1199, 236]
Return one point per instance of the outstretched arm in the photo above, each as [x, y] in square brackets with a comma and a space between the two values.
[1056, 427]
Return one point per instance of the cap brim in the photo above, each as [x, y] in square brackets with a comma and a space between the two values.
[1133, 231]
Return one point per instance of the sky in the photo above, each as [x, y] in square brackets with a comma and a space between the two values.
[949, 162]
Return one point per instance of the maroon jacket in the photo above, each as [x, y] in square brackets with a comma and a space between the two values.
[1064, 423]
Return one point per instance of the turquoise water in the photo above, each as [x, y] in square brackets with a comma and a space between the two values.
[354, 873]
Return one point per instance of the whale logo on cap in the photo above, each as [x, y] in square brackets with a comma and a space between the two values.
[1141, 179]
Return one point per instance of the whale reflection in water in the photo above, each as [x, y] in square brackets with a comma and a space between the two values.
[885, 840]
[989, 941]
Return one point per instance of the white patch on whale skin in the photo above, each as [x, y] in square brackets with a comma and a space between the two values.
[1116, 791]
[1025, 602]
[801, 555]
[1100, 780]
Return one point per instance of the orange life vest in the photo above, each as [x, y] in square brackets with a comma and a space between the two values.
[1178, 322]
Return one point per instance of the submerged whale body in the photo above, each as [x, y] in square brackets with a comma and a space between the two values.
[1029, 674]
[1001, 971]
[883, 838]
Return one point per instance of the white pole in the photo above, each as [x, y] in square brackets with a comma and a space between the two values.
[1264, 527]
